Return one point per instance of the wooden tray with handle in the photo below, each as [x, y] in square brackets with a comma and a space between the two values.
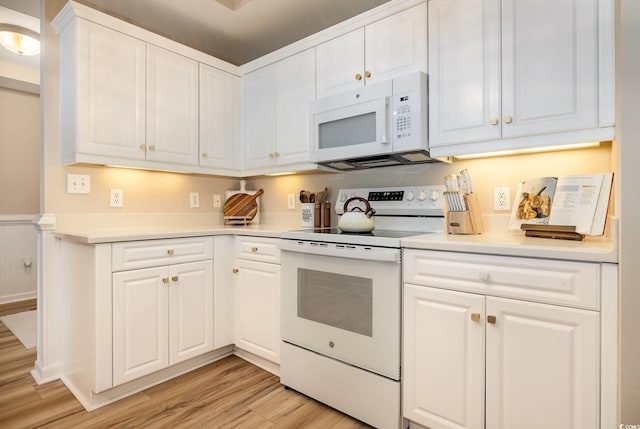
[241, 208]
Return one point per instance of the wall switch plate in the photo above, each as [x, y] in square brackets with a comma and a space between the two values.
[217, 200]
[78, 183]
[194, 200]
[501, 198]
[116, 198]
[291, 201]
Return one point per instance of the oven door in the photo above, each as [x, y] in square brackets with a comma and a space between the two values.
[345, 308]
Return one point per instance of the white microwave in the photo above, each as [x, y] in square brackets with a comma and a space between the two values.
[375, 126]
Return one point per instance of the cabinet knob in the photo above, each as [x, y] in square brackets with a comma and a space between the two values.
[174, 278]
[254, 249]
[152, 147]
[143, 147]
[271, 155]
[491, 319]
[484, 276]
[475, 317]
[165, 280]
[170, 252]
[358, 76]
[493, 120]
[367, 73]
[276, 154]
[507, 119]
[204, 155]
[235, 271]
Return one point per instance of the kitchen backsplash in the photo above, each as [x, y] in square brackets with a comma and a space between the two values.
[162, 192]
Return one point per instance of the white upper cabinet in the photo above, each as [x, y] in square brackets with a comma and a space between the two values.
[390, 47]
[504, 71]
[276, 112]
[172, 107]
[217, 117]
[134, 99]
[102, 93]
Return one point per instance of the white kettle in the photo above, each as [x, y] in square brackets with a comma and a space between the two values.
[357, 220]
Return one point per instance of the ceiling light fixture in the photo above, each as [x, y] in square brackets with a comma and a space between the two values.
[20, 40]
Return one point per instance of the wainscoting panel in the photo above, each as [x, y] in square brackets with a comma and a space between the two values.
[18, 258]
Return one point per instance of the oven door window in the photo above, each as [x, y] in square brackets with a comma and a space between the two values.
[338, 300]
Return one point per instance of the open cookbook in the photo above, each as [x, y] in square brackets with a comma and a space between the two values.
[578, 200]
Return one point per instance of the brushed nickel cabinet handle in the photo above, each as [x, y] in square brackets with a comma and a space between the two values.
[491, 319]
[493, 120]
[475, 317]
[507, 119]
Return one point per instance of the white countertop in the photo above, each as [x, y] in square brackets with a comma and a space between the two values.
[114, 234]
[592, 249]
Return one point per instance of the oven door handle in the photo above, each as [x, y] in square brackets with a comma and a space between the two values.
[367, 253]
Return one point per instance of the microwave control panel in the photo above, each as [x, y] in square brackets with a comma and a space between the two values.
[405, 117]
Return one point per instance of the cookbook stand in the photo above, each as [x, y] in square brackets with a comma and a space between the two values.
[467, 221]
[559, 232]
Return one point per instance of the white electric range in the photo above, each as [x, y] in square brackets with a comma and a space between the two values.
[341, 304]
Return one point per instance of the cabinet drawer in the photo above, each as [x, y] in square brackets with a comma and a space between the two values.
[258, 249]
[153, 253]
[575, 284]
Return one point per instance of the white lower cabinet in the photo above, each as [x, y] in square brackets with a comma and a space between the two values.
[472, 360]
[257, 297]
[161, 316]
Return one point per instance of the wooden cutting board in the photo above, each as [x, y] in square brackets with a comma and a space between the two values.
[242, 205]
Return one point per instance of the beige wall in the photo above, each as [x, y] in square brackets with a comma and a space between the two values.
[19, 152]
[628, 205]
[486, 174]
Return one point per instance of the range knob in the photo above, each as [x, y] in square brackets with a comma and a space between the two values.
[422, 196]
[434, 195]
[411, 196]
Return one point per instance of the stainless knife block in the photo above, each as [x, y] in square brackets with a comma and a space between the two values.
[465, 222]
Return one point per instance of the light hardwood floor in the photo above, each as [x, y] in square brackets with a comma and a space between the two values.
[230, 393]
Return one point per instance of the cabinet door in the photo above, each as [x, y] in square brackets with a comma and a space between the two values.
[257, 305]
[396, 45]
[549, 77]
[217, 117]
[190, 310]
[140, 323]
[443, 367]
[464, 71]
[338, 63]
[296, 88]
[111, 93]
[172, 107]
[542, 366]
[259, 119]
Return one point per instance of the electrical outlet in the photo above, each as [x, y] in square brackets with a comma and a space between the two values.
[501, 198]
[116, 197]
[291, 201]
[78, 183]
[194, 200]
[217, 200]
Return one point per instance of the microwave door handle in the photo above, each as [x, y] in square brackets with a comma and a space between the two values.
[385, 138]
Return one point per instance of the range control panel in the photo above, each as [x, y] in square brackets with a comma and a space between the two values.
[423, 200]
